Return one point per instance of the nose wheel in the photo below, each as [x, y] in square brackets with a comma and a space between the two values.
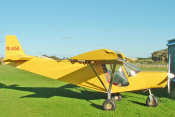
[152, 101]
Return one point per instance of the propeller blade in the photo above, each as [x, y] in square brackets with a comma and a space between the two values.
[169, 81]
[169, 74]
[169, 63]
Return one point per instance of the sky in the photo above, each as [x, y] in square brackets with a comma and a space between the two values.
[66, 28]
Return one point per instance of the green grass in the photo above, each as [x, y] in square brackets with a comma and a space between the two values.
[23, 94]
[153, 69]
[148, 60]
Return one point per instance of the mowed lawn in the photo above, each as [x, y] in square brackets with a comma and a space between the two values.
[24, 94]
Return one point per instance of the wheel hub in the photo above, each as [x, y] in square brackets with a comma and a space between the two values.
[151, 103]
[109, 106]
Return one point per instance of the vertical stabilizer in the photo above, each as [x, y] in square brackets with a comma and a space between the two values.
[13, 47]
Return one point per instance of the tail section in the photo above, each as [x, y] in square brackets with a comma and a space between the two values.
[13, 47]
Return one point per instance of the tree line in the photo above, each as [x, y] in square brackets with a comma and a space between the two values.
[55, 57]
[160, 56]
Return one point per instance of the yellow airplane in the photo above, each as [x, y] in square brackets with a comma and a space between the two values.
[102, 70]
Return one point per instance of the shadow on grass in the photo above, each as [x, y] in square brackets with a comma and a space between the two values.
[160, 93]
[139, 103]
[63, 91]
[67, 91]
[96, 105]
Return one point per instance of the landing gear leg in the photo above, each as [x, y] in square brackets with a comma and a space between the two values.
[152, 100]
[110, 104]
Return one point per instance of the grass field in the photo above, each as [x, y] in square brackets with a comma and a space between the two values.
[23, 94]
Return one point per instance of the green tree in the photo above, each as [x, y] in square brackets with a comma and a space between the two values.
[160, 56]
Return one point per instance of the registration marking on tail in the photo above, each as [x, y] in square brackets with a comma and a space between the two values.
[15, 48]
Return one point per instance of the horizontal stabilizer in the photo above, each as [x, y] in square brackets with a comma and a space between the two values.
[17, 58]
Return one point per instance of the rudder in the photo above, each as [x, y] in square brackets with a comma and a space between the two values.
[13, 47]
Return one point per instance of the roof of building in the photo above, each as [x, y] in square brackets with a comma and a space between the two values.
[171, 42]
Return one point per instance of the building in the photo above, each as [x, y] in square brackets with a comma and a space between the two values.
[171, 54]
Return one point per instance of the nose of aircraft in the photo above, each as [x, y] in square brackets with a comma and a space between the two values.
[170, 76]
[154, 79]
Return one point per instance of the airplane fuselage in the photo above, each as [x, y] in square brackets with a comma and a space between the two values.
[82, 75]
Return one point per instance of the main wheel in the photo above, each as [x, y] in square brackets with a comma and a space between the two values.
[109, 104]
[152, 104]
[117, 96]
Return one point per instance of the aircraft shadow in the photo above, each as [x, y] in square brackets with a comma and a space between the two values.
[66, 91]
[139, 103]
[63, 91]
[160, 93]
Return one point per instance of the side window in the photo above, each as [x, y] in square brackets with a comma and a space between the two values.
[120, 78]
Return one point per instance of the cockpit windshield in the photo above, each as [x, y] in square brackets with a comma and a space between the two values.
[131, 69]
[120, 78]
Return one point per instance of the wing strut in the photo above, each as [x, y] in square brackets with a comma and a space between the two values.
[111, 80]
[97, 76]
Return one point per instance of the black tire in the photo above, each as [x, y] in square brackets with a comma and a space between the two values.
[117, 97]
[109, 105]
[154, 103]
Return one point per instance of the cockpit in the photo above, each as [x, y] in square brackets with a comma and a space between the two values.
[122, 71]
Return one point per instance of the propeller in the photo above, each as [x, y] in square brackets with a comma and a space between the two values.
[170, 75]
